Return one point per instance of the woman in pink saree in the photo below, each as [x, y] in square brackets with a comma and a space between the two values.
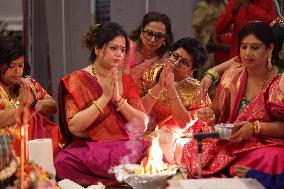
[245, 97]
[149, 43]
[100, 108]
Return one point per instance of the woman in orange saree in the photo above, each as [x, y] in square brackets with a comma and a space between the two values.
[100, 109]
[244, 97]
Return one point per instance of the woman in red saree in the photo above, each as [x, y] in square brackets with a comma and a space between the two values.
[14, 89]
[171, 96]
[245, 97]
[100, 108]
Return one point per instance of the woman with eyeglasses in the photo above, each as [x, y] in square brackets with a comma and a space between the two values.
[150, 42]
[171, 96]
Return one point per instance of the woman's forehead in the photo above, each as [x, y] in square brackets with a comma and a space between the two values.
[18, 60]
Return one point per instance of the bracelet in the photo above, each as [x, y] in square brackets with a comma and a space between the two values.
[151, 95]
[122, 105]
[256, 127]
[209, 75]
[101, 110]
[214, 74]
[120, 102]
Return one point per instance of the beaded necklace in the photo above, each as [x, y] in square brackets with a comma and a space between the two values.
[93, 71]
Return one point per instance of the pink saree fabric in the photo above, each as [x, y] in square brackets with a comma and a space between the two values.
[259, 152]
[87, 161]
[133, 65]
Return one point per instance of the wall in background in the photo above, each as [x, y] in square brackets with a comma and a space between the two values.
[129, 13]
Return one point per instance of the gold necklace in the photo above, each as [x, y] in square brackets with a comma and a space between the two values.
[144, 57]
[263, 83]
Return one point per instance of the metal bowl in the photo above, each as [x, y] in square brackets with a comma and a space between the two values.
[225, 130]
[126, 173]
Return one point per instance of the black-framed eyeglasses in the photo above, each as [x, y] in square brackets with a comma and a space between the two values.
[183, 63]
[149, 34]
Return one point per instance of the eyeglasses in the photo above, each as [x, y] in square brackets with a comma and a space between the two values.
[183, 63]
[150, 34]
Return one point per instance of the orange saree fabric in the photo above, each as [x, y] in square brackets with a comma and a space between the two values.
[188, 92]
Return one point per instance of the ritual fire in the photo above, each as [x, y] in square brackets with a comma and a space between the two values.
[153, 163]
[151, 173]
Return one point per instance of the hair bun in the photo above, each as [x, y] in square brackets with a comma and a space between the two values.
[89, 37]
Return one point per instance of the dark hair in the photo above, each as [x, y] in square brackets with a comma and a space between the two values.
[194, 48]
[101, 34]
[278, 31]
[154, 16]
[261, 31]
[10, 49]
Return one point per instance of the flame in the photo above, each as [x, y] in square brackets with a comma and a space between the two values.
[153, 163]
[22, 119]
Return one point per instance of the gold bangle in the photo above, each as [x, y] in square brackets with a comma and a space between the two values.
[119, 103]
[101, 110]
[122, 105]
[214, 74]
[151, 95]
[257, 127]
[210, 76]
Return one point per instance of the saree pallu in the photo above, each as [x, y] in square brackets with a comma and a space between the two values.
[87, 160]
[132, 64]
[39, 125]
[259, 152]
[171, 140]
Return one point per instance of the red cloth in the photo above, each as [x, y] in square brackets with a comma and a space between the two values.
[39, 125]
[78, 94]
[87, 160]
[262, 10]
[220, 154]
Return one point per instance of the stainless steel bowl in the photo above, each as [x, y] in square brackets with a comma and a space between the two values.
[225, 130]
